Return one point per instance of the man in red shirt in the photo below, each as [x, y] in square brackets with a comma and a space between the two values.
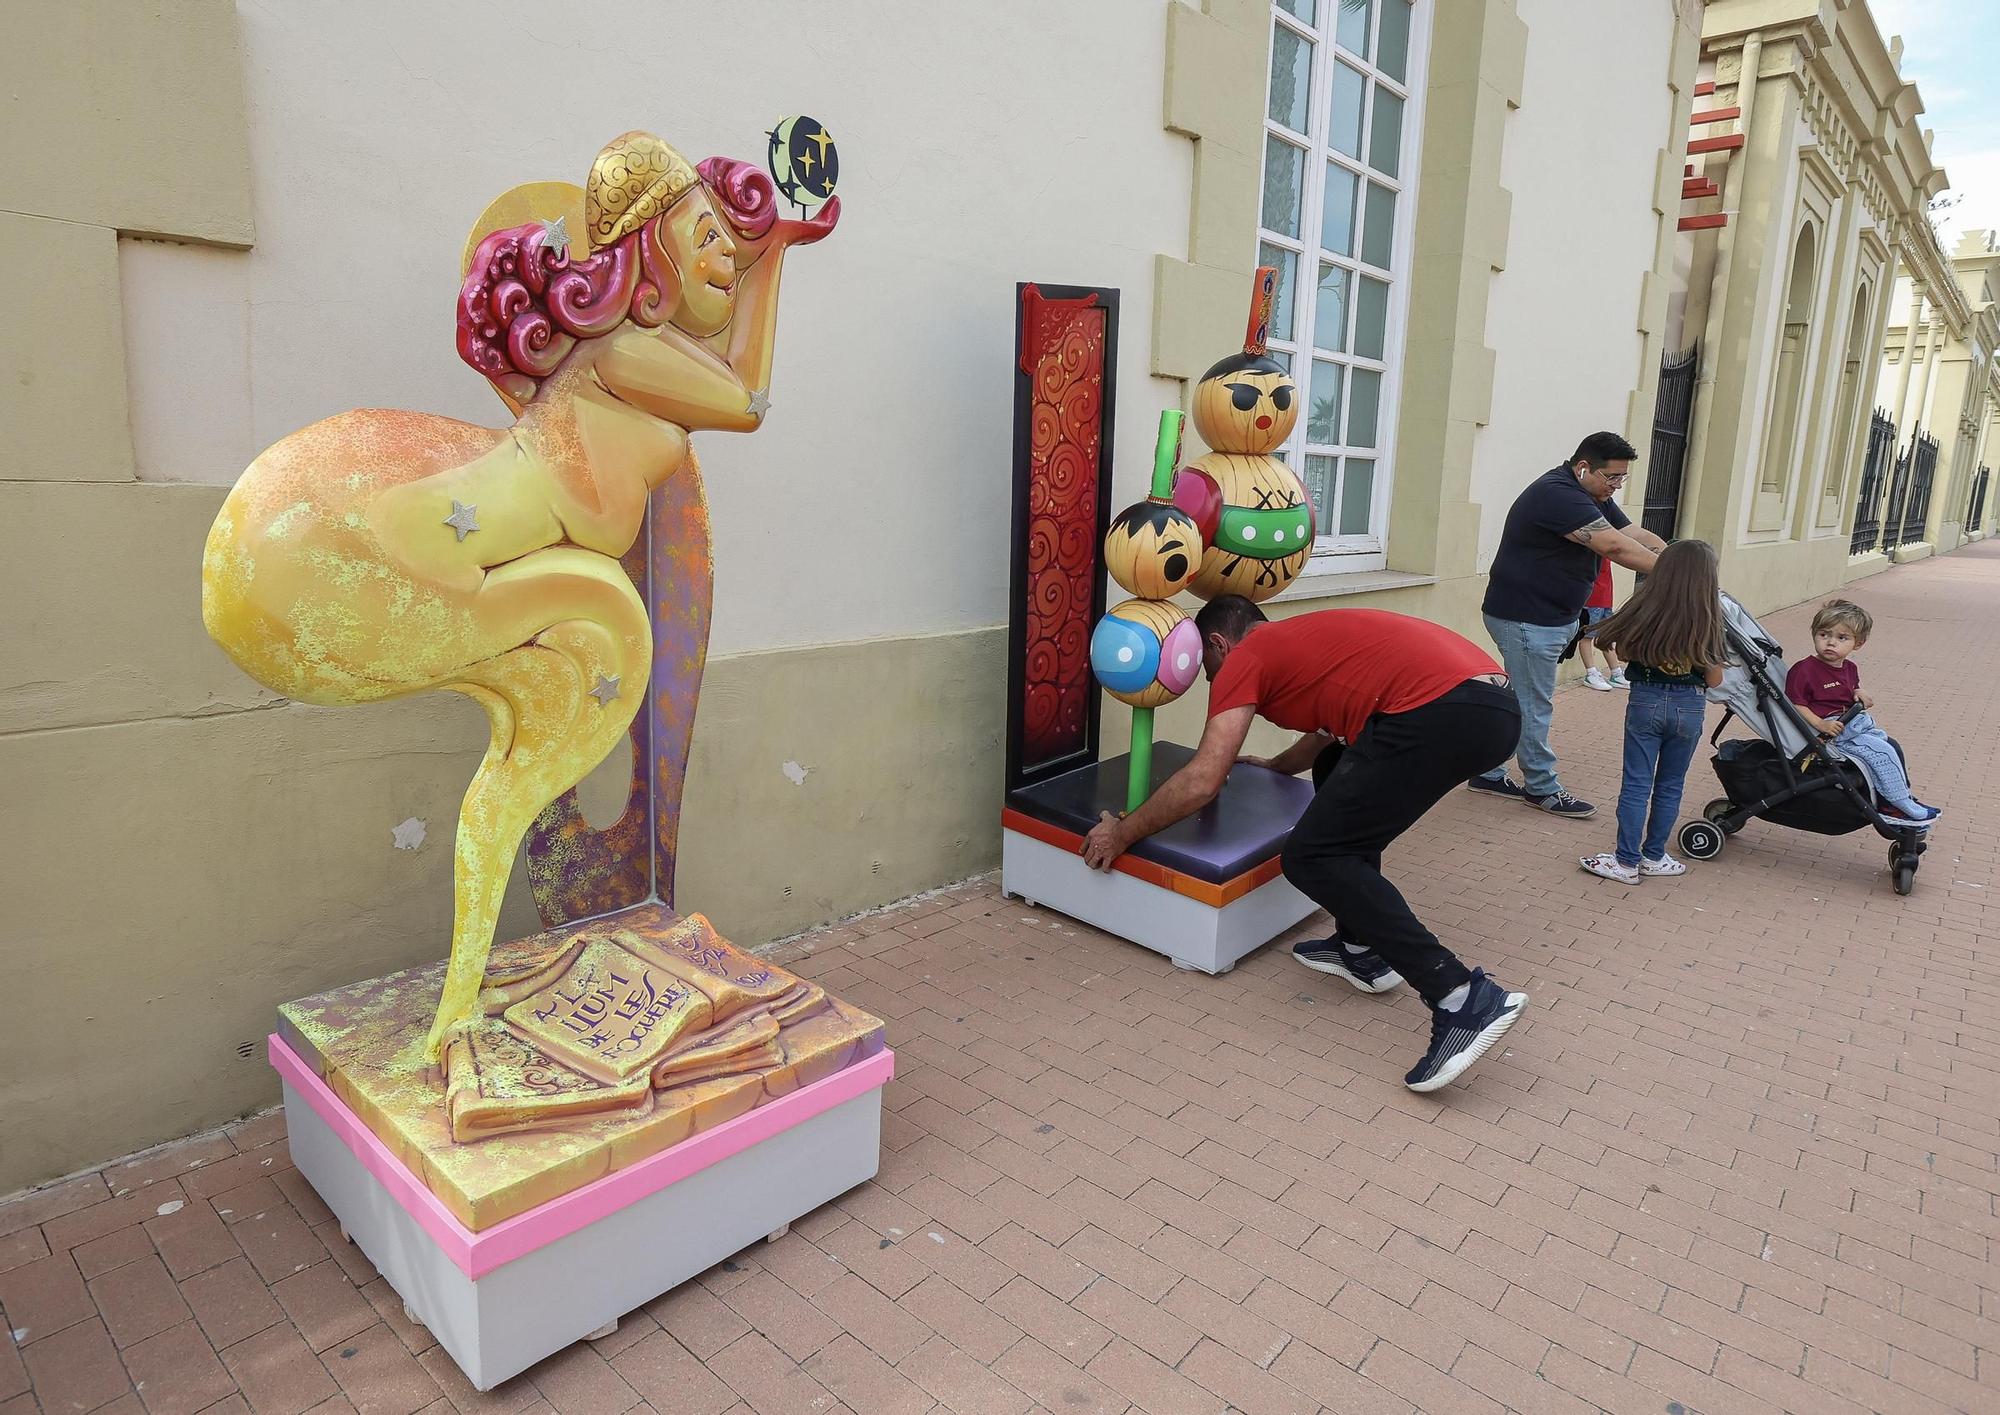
[1395, 712]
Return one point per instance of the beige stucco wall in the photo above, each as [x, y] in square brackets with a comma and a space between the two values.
[1565, 315]
[191, 850]
[980, 145]
[197, 851]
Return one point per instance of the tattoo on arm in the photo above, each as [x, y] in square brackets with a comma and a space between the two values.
[1582, 534]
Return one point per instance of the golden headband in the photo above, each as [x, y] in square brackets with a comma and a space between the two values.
[634, 179]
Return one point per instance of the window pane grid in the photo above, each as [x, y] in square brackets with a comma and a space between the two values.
[1343, 241]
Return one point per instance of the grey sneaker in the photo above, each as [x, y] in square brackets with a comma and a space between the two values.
[1504, 787]
[1560, 803]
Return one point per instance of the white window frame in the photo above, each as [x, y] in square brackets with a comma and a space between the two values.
[1368, 551]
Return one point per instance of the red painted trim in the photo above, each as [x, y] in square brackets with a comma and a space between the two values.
[1703, 223]
[1173, 881]
[1726, 143]
[1704, 88]
[1698, 187]
[1715, 115]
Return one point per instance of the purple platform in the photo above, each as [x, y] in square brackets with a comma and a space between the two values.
[1243, 828]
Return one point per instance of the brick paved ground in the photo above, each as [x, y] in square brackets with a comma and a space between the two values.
[1740, 1158]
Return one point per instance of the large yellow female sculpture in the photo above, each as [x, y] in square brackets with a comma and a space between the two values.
[382, 553]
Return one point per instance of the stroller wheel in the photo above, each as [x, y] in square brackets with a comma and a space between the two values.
[1701, 840]
[1718, 813]
[1903, 869]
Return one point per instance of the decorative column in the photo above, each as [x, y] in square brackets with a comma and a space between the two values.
[1910, 328]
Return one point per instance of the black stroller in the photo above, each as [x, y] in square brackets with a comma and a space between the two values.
[1785, 774]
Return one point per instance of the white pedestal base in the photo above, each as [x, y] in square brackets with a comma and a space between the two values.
[504, 1321]
[1194, 935]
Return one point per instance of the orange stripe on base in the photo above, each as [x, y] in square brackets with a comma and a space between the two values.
[1728, 142]
[1160, 876]
[1703, 223]
[1704, 88]
[1714, 115]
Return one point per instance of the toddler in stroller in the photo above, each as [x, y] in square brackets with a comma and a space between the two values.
[1787, 774]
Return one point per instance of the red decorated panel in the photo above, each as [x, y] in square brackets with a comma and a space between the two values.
[1062, 445]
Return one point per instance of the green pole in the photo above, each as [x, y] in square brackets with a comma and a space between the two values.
[1140, 784]
[1166, 453]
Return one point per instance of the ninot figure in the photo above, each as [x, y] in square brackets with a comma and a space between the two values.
[1251, 508]
[379, 553]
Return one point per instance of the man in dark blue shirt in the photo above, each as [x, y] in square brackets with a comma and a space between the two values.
[1556, 532]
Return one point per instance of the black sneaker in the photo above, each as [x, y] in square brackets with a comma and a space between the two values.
[1504, 787]
[1462, 1036]
[1560, 803]
[1365, 968]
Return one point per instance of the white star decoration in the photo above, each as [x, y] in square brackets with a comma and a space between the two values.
[463, 519]
[606, 691]
[555, 236]
[760, 402]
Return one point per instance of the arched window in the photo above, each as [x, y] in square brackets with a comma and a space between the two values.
[1847, 406]
[1781, 439]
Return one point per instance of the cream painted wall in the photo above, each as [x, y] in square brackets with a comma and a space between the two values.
[980, 145]
[1579, 160]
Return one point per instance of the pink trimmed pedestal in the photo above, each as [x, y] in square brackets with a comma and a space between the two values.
[501, 1299]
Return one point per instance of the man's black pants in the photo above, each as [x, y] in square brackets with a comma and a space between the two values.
[1369, 793]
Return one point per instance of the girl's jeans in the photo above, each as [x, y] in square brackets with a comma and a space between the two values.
[1869, 748]
[1662, 729]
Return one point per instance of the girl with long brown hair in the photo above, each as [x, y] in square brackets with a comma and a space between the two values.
[1670, 636]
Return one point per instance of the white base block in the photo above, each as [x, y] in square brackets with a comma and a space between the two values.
[497, 1325]
[1193, 934]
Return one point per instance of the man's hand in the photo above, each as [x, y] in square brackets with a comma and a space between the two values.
[1246, 760]
[1105, 843]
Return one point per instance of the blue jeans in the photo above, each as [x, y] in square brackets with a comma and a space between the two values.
[1868, 747]
[1531, 653]
[1662, 729]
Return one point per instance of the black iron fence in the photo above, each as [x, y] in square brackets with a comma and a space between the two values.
[1916, 503]
[1874, 473]
[1976, 511]
[1892, 510]
[1667, 466]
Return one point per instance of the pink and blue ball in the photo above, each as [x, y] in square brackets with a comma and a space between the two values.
[1145, 652]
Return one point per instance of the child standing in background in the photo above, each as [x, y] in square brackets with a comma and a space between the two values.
[1596, 610]
[1828, 684]
[1670, 636]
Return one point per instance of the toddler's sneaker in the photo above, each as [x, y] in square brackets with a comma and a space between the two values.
[1619, 680]
[1463, 1034]
[1607, 867]
[1595, 679]
[1665, 865]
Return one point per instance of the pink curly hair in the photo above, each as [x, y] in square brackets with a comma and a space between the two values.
[523, 308]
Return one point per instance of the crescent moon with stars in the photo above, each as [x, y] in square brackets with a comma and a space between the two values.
[804, 162]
